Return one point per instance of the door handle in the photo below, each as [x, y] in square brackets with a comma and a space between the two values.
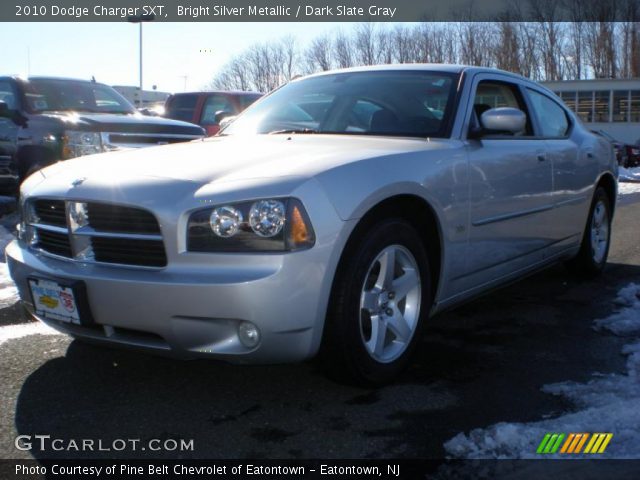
[589, 154]
[542, 157]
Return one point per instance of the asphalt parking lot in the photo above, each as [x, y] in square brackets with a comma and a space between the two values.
[480, 364]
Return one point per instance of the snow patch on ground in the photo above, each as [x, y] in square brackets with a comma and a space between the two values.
[629, 174]
[8, 290]
[606, 403]
[628, 188]
[12, 332]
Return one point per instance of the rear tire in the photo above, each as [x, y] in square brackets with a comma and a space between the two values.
[378, 307]
[592, 257]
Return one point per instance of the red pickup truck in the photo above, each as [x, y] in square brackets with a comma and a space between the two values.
[207, 109]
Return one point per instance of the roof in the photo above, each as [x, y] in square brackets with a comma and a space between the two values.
[65, 79]
[431, 67]
[223, 92]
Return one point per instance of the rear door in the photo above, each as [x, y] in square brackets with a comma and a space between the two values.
[573, 170]
[511, 184]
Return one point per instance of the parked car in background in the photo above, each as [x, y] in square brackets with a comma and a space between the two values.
[45, 119]
[619, 148]
[633, 156]
[208, 109]
[334, 217]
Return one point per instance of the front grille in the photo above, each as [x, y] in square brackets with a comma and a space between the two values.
[50, 212]
[147, 253]
[116, 139]
[54, 242]
[114, 218]
[138, 140]
[112, 234]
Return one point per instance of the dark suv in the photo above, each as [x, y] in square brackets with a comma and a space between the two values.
[43, 120]
[207, 109]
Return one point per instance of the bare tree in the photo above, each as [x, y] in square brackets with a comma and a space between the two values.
[507, 51]
[551, 44]
[318, 54]
[364, 42]
[544, 49]
[629, 49]
[599, 37]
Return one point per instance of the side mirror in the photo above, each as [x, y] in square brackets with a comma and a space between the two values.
[221, 115]
[503, 120]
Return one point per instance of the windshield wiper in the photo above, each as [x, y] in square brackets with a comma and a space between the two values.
[293, 130]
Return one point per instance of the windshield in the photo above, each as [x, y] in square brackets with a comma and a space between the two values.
[393, 103]
[68, 95]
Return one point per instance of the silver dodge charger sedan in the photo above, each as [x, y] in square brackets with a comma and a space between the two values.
[332, 218]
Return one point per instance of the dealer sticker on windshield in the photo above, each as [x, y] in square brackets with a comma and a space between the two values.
[54, 301]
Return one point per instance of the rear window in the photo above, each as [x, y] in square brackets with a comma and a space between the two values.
[181, 107]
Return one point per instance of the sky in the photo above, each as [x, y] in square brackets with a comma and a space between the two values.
[109, 51]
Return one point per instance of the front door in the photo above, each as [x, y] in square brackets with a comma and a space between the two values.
[511, 185]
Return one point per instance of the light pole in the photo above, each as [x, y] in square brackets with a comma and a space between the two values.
[140, 19]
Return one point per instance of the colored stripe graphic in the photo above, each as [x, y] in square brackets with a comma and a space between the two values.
[581, 443]
[598, 443]
[551, 443]
[605, 443]
[573, 443]
[567, 443]
[543, 443]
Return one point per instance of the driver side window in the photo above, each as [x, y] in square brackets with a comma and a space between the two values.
[493, 94]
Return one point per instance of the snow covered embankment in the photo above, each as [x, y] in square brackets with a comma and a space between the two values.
[607, 403]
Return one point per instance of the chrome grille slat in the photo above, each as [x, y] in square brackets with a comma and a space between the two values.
[116, 140]
[51, 212]
[113, 234]
[55, 243]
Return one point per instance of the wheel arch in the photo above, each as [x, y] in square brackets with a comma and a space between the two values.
[415, 210]
[609, 184]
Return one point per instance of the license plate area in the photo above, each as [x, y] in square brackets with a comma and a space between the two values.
[63, 301]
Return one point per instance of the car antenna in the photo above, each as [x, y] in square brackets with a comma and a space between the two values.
[93, 79]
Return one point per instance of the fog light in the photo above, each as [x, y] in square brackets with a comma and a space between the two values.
[249, 334]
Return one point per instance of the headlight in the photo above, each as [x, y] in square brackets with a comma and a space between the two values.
[77, 143]
[269, 225]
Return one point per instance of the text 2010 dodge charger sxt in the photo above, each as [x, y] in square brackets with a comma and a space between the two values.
[333, 216]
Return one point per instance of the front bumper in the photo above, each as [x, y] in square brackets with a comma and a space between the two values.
[194, 311]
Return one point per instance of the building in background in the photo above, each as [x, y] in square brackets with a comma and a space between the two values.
[149, 97]
[611, 105]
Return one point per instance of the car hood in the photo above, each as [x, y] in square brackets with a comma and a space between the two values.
[221, 159]
[128, 123]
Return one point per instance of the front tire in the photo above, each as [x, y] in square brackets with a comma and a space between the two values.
[596, 240]
[379, 304]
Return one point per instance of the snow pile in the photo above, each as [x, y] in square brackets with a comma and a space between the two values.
[607, 403]
[12, 332]
[8, 291]
[629, 174]
[627, 188]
